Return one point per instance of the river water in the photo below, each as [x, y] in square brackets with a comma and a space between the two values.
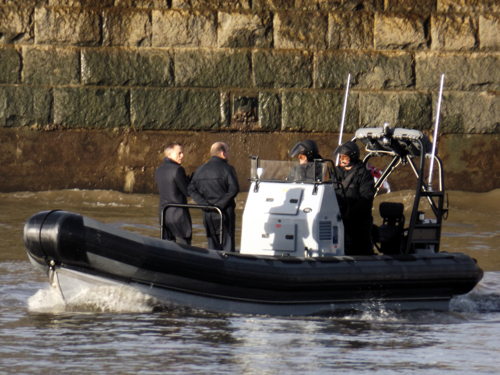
[116, 331]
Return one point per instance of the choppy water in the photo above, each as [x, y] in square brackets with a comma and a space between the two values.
[115, 330]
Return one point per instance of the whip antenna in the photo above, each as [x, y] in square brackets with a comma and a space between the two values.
[436, 126]
[342, 119]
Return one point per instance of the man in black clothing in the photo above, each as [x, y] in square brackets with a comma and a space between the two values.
[355, 194]
[215, 184]
[173, 183]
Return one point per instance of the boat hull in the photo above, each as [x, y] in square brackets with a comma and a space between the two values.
[80, 252]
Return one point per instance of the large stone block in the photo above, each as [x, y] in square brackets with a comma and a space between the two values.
[301, 30]
[175, 109]
[318, 111]
[489, 32]
[469, 113]
[400, 32]
[117, 67]
[411, 6]
[123, 27]
[77, 26]
[91, 108]
[174, 28]
[23, 106]
[15, 25]
[282, 69]
[10, 65]
[350, 30]
[475, 71]
[212, 4]
[398, 109]
[238, 30]
[453, 32]
[51, 66]
[468, 6]
[212, 69]
[270, 111]
[368, 70]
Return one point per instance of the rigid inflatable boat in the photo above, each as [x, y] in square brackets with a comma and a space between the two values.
[291, 259]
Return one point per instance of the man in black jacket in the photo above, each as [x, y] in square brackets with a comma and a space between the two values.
[355, 194]
[215, 184]
[173, 183]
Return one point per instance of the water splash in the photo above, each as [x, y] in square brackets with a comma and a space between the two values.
[485, 298]
[108, 299]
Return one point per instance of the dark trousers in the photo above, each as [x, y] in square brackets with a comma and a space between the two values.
[167, 235]
[211, 220]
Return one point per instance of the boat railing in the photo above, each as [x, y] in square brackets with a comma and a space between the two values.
[203, 207]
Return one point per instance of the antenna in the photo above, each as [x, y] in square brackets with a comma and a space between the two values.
[342, 119]
[436, 126]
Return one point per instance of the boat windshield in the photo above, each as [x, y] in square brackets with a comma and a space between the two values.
[318, 171]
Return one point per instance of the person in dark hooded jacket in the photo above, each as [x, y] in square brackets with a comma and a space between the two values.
[355, 193]
[215, 184]
[306, 152]
[172, 184]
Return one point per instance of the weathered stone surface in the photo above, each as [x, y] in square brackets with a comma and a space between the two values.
[81, 3]
[470, 113]
[468, 6]
[51, 66]
[15, 25]
[318, 5]
[450, 32]
[489, 32]
[158, 4]
[77, 26]
[136, 67]
[350, 30]
[175, 109]
[23, 106]
[91, 108]
[212, 69]
[317, 111]
[238, 30]
[244, 111]
[273, 5]
[25, 3]
[368, 70]
[476, 71]
[411, 6]
[412, 110]
[127, 28]
[282, 69]
[469, 161]
[173, 28]
[269, 111]
[211, 4]
[369, 5]
[400, 32]
[10, 65]
[307, 30]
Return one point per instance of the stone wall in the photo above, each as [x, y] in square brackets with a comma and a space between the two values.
[255, 66]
